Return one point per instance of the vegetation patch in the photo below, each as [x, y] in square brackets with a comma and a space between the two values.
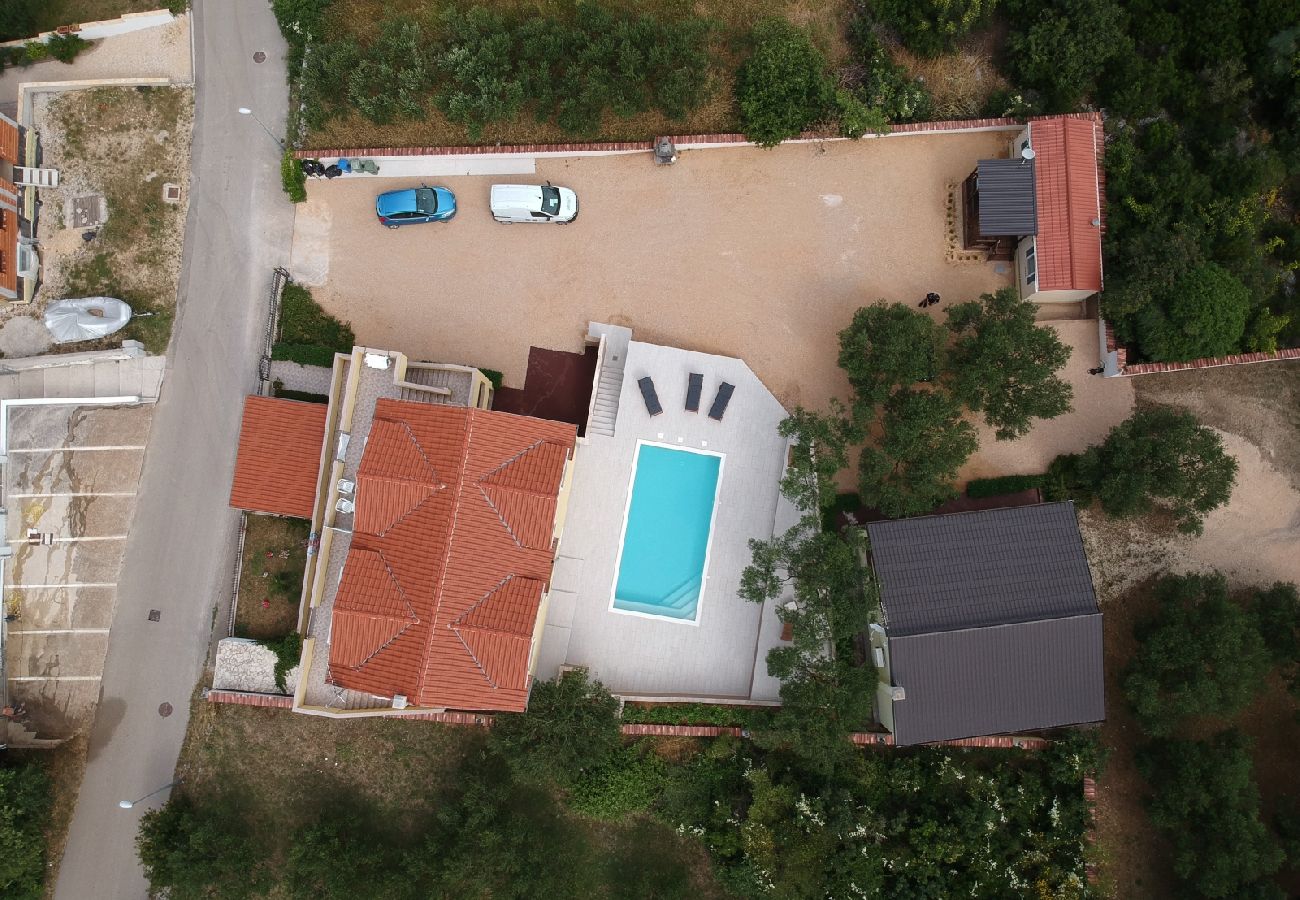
[697, 714]
[270, 582]
[24, 815]
[307, 334]
[980, 488]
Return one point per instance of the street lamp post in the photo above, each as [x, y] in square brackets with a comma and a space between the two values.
[245, 111]
[127, 804]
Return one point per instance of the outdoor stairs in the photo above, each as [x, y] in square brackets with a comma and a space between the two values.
[675, 602]
[604, 406]
[44, 178]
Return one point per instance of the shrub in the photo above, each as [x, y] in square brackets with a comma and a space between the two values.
[302, 321]
[303, 354]
[36, 51]
[1065, 480]
[783, 87]
[24, 811]
[1160, 458]
[493, 376]
[980, 488]
[292, 178]
[390, 80]
[856, 118]
[884, 85]
[932, 27]
[66, 47]
[300, 20]
[288, 653]
[1203, 315]
[570, 728]
[1202, 655]
[193, 852]
[629, 782]
[1278, 611]
[699, 713]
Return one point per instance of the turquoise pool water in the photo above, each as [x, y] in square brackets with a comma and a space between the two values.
[666, 535]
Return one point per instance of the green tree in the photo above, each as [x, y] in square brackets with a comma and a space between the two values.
[18, 19]
[192, 851]
[933, 27]
[24, 811]
[1061, 47]
[1278, 610]
[856, 118]
[1202, 655]
[571, 726]
[783, 87]
[1005, 365]
[1204, 315]
[913, 466]
[497, 837]
[390, 80]
[349, 851]
[821, 449]
[889, 346]
[1160, 458]
[1204, 799]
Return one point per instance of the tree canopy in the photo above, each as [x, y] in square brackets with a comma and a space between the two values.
[570, 726]
[913, 467]
[783, 87]
[1161, 458]
[1005, 365]
[889, 346]
[1202, 655]
[1208, 806]
[1204, 315]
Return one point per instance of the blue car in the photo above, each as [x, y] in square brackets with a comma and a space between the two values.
[412, 207]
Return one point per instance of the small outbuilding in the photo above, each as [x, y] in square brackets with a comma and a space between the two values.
[990, 624]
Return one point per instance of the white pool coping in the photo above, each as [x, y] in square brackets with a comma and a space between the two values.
[708, 541]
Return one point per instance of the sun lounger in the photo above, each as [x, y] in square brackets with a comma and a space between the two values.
[694, 385]
[649, 395]
[721, 400]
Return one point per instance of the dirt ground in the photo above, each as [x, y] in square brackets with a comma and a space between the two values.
[758, 254]
[272, 547]
[1253, 540]
[124, 144]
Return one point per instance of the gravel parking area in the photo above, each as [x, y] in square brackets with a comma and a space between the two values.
[760, 254]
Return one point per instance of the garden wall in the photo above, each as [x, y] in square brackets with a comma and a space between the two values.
[1122, 368]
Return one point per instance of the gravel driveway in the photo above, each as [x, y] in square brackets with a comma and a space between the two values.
[760, 254]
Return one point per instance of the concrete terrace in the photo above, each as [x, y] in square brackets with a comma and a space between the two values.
[722, 655]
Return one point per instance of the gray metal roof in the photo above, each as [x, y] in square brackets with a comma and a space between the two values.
[998, 680]
[1008, 204]
[989, 567]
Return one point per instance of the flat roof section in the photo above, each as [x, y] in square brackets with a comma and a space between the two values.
[278, 463]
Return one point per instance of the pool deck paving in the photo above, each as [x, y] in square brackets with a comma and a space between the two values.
[721, 654]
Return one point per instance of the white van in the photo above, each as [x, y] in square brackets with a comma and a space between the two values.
[533, 203]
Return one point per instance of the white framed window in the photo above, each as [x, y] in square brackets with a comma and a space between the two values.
[1031, 264]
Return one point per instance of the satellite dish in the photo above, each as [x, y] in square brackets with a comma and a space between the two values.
[1027, 154]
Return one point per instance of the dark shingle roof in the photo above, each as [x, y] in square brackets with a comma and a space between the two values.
[991, 567]
[998, 680]
[1007, 197]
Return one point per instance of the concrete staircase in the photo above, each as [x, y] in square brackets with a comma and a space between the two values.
[609, 383]
[102, 373]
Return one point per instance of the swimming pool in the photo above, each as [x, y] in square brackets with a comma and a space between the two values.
[664, 550]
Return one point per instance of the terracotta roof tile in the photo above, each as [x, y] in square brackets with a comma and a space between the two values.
[278, 463]
[1067, 183]
[460, 506]
[9, 140]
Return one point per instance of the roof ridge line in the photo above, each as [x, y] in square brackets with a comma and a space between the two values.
[481, 600]
[937, 631]
[500, 517]
[381, 648]
[486, 677]
[392, 576]
[446, 552]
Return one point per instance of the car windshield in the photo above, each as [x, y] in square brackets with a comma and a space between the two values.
[550, 200]
[426, 201]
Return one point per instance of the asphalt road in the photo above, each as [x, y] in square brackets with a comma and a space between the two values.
[179, 553]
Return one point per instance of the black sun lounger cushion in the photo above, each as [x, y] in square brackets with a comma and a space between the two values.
[649, 395]
[720, 402]
[694, 386]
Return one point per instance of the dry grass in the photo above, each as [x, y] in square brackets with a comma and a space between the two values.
[272, 546]
[362, 18]
[959, 83]
[123, 143]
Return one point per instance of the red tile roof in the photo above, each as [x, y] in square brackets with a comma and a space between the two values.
[451, 554]
[8, 237]
[1067, 183]
[9, 140]
[279, 456]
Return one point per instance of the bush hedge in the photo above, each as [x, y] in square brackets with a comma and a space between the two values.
[292, 178]
[783, 88]
[697, 714]
[302, 321]
[979, 488]
[303, 354]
